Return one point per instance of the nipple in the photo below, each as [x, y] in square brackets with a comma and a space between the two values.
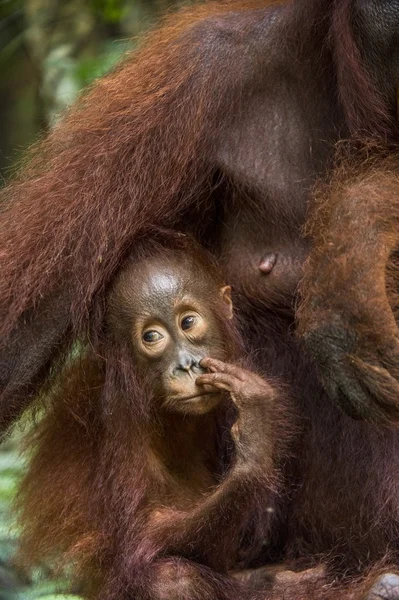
[268, 262]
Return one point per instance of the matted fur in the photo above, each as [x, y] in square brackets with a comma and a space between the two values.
[138, 148]
[86, 498]
[135, 150]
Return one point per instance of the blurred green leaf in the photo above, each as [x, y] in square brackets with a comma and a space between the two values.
[110, 11]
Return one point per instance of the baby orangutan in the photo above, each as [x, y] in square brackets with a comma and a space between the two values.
[165, 451]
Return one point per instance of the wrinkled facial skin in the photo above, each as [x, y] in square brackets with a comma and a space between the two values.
[173, 328]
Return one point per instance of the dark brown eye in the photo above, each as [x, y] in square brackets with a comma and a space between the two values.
[152, 337]
[188, 322]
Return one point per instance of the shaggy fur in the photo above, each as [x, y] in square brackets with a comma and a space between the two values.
[220, 125]
[134, 488]
[343, 330]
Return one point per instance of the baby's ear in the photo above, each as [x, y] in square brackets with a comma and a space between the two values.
[226, 297]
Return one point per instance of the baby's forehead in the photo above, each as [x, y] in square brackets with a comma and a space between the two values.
[167, 278]
[166, 272]
[166, 284]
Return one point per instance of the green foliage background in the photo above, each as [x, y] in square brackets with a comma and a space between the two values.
[50, 50]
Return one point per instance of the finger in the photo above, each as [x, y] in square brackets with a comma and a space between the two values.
[222, 381]
[204, 379]
[381, 387]
[218, 366]
[352, 396]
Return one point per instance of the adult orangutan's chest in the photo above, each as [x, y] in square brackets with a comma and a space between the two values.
[262, 249]
[271, 154]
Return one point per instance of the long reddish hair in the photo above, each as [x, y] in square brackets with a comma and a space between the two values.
[82, 500]
[136, 149]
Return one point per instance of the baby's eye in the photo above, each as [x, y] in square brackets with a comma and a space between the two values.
[152, 337]
[188, 322]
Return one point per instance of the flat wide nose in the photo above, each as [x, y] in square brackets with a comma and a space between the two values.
[188, 364]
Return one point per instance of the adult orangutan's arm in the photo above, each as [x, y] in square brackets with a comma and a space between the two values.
[135, 151]
[350, 291]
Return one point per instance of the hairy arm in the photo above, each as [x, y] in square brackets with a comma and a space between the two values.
[28, 357]
[213, 529]
[349, 290]
[135, 151]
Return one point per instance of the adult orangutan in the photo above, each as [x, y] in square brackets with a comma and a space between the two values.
[219, 126]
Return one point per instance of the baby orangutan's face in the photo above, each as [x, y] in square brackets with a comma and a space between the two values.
[174, 327]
